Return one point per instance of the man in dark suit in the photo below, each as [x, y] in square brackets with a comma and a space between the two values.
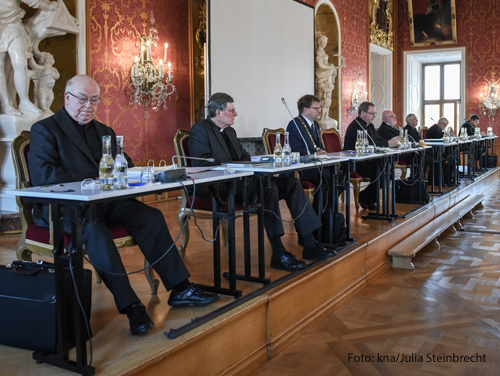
[366, 111]
[436, 131]
[66, 147]
[214, 137]
[305, 134]
[388, 130]
[470, 125]
[411, 128]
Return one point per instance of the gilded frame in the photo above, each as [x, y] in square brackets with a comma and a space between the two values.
[381, 23]
[432, 22]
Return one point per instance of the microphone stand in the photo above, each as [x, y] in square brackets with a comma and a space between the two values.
[298, 130]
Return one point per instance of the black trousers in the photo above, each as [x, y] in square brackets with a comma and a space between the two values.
[148, 228]
[280, 188]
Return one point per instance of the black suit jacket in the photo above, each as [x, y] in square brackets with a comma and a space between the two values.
[470, 128]
[412, 133]
[387, 131]
[59, 154]
[206, 141]
[296, 141]
[351, 134]
[434, 132]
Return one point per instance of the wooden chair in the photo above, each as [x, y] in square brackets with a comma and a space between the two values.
[269, 141]
[333, 143]
[201, 208]
[39, 240]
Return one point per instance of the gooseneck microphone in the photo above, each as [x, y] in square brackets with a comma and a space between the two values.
[356, 118]
[183, 157]
[298, 130]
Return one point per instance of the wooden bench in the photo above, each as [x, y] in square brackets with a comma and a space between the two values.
[408, 248]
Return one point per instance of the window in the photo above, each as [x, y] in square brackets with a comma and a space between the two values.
[441, 93]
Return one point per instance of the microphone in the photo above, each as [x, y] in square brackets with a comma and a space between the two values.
[298, 130]
[183, 157]
[375, 147]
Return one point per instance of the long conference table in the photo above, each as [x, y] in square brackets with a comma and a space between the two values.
[77, 204]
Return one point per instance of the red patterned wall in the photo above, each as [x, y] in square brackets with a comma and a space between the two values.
[113, 27]
[478, 29]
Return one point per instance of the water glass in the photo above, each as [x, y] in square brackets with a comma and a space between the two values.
[147, 175]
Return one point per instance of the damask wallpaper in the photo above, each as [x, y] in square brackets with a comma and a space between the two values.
[112, 29]
[478, 29]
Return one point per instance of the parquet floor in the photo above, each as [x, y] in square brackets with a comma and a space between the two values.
[403, 312]
[441, 319]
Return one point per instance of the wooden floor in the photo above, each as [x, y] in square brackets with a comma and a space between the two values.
[403, 312]
[415, 322]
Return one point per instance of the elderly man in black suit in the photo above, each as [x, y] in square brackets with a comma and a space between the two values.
[214, 137]
[66, 147]
[411, 128]
[366, 114]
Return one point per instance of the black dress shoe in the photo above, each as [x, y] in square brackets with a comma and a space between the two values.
[316, 252]
[368, 205]
[193, 295]
[288, 262]
[140, 322]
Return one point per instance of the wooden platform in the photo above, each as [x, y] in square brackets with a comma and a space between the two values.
[265, 323]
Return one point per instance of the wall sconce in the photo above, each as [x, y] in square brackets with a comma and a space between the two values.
[490, 102]
[358, 93]
[151, 85]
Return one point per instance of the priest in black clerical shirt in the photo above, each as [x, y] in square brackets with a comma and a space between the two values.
[214, 137]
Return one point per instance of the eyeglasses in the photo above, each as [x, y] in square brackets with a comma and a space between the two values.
[232, 111]
[84, 99]
[316, 108]
[371, 113]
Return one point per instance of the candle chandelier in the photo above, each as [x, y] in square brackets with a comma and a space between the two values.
[151, 85]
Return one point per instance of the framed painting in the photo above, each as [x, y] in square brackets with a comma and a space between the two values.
[432, 22]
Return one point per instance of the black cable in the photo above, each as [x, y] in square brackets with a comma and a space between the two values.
[153, 263]
[82, 309]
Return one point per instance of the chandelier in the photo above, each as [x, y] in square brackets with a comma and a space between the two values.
[151, 85]
[490, 103]
[357, 96]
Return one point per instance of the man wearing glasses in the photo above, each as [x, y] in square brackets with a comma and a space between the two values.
[66, 147]
[366, 114]
[214, 137]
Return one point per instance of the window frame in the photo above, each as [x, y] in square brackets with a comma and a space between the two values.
[441, 101]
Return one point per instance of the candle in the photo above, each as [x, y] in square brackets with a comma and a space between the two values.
[147, 51]
[135, 70]
[170, 72]
[165, 57]
[142, 54]
[161, 69]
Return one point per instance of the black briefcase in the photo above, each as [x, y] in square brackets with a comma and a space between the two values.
[28, 305]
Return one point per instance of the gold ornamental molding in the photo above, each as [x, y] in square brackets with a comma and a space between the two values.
[381, 25]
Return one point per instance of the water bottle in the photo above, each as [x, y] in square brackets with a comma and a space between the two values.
[278, 152]
[365, 142]
[401, 140]
[357, 146]
[106, 166]
[287, 151]
[121, 166]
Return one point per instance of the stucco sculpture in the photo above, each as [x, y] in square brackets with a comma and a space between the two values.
[19, 46]
[325, 81]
